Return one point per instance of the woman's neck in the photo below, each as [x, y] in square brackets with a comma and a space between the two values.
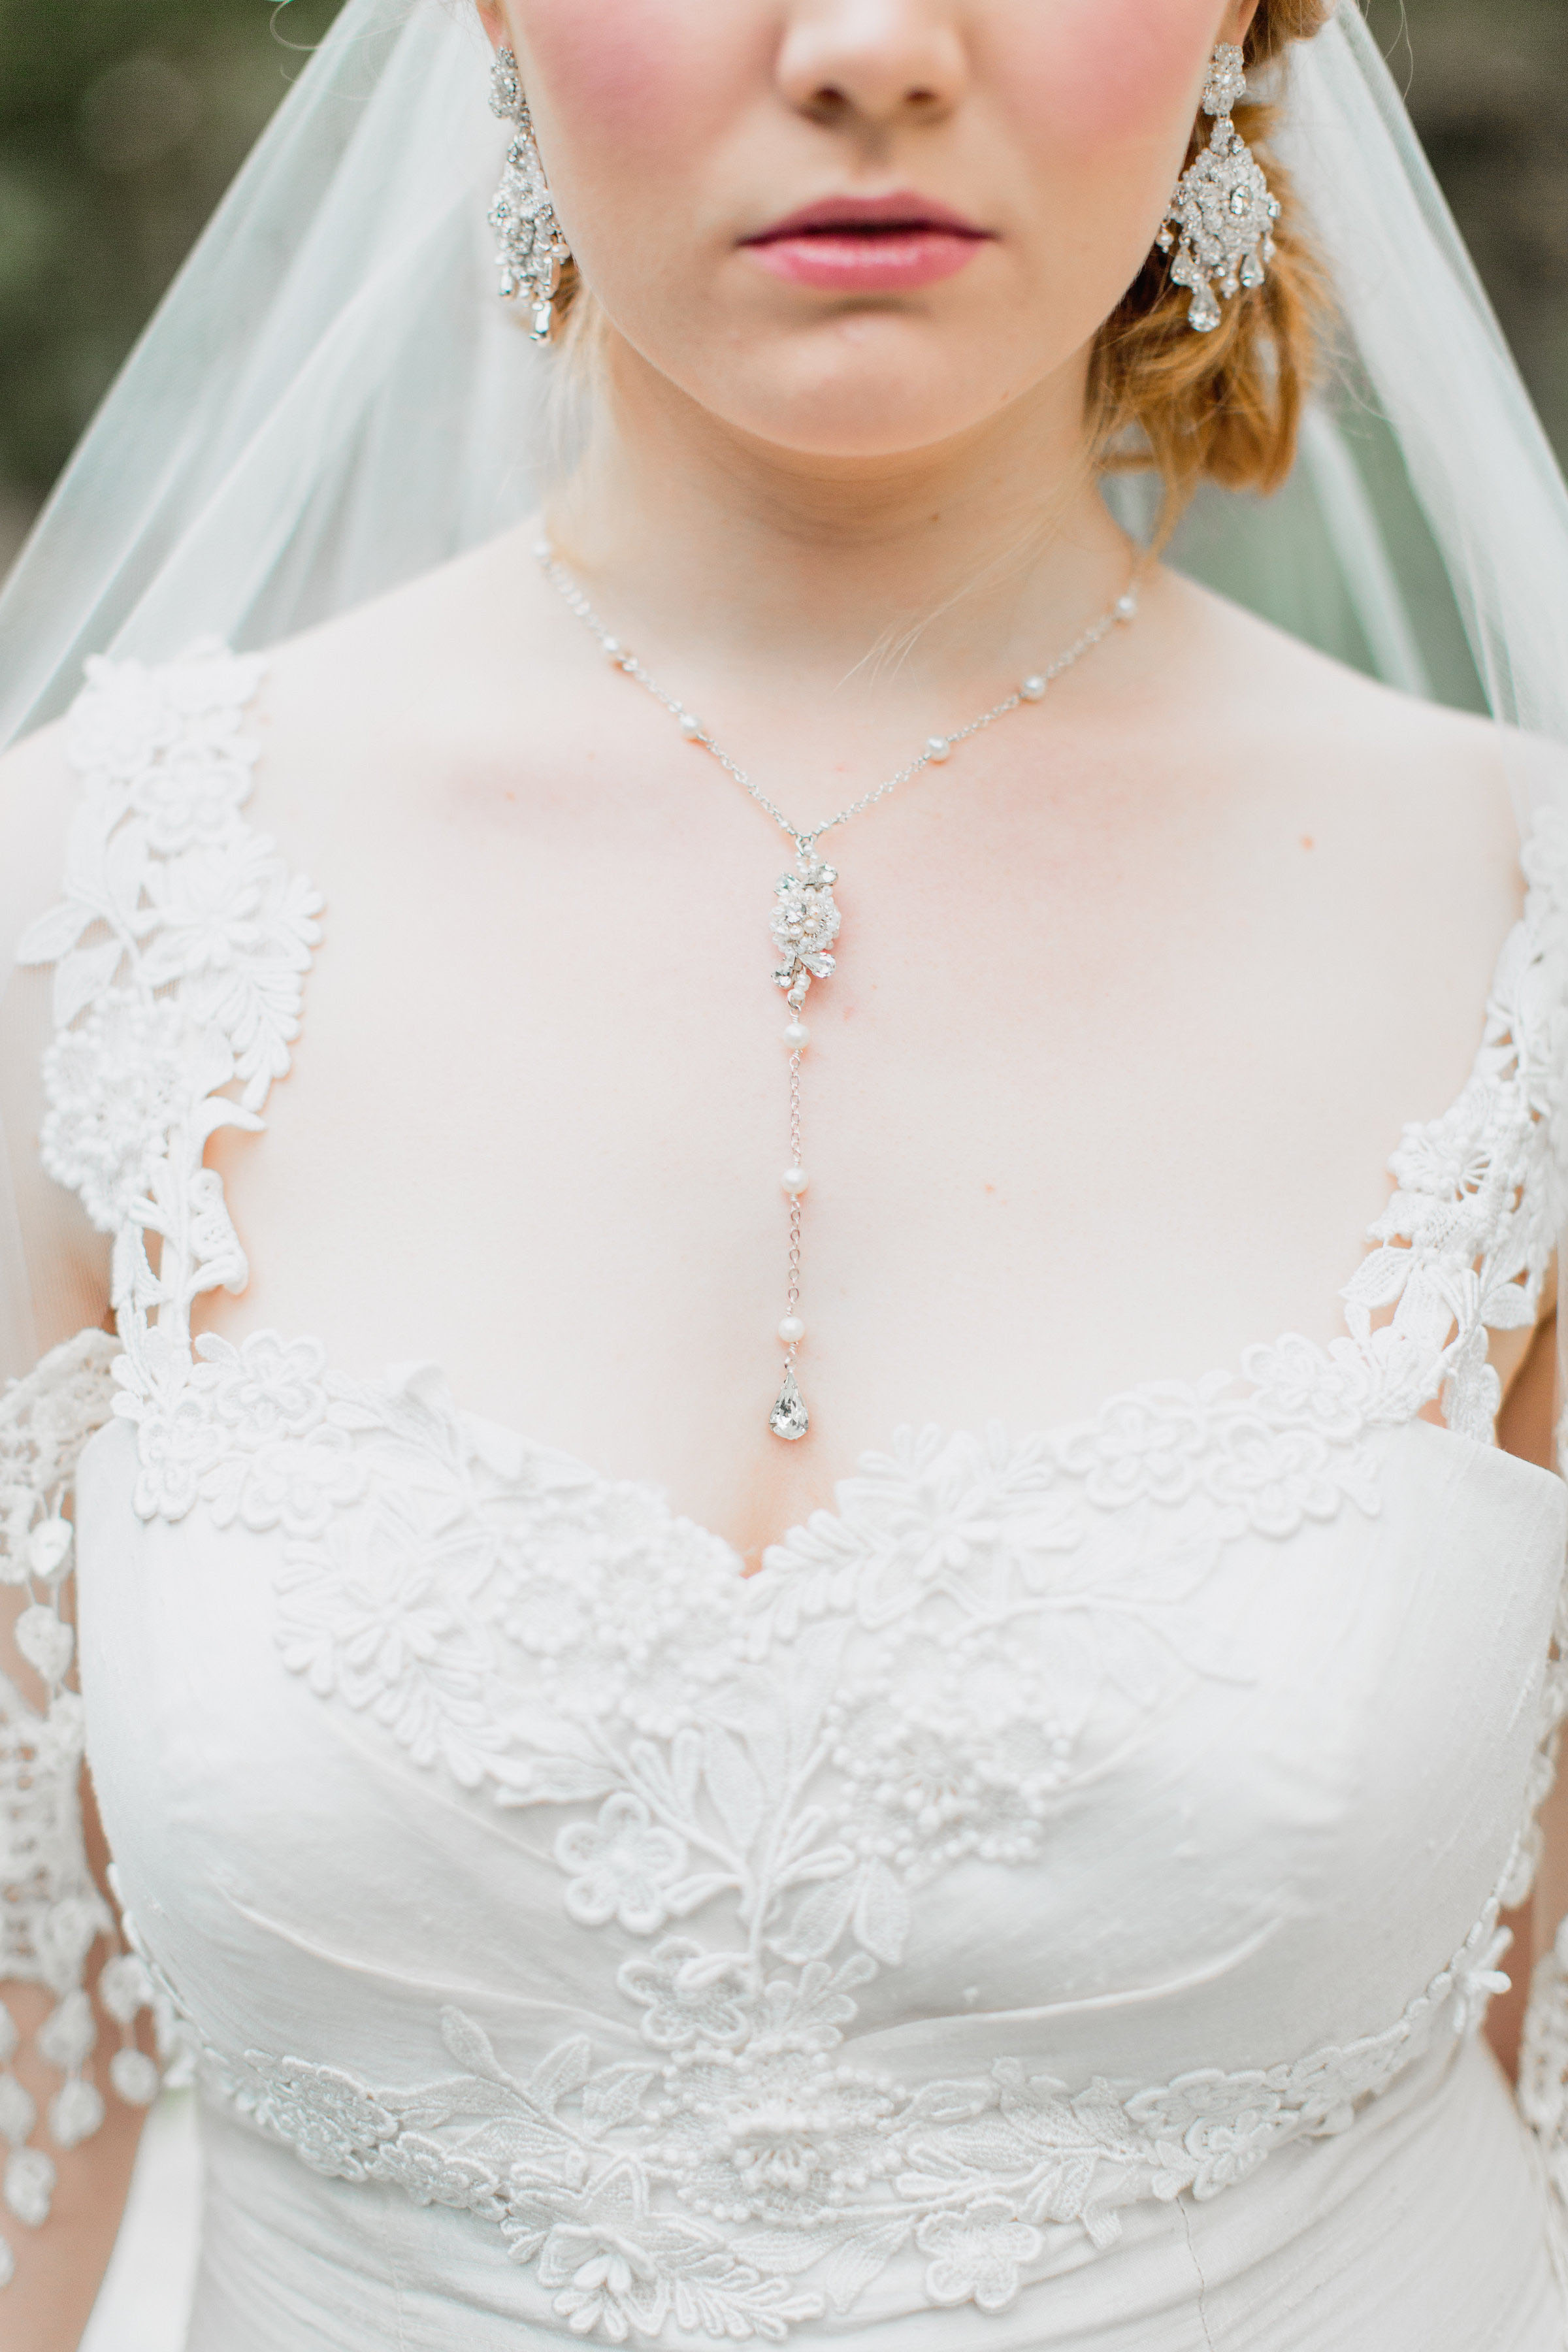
[715, 548]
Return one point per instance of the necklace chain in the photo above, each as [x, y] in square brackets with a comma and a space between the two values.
[806, 920]
[938, 748]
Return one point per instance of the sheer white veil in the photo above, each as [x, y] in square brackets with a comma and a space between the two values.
[331, 399]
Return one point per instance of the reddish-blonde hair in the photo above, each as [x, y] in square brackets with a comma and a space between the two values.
[1225, 407]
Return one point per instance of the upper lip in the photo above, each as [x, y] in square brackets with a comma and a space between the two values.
[902, 209]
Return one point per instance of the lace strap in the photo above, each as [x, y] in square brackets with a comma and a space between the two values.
[52, 1915]
[178, 950]
[1464, 1246]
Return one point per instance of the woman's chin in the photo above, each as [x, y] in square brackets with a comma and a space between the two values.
[859, 388]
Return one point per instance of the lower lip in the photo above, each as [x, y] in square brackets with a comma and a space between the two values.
[868, 265]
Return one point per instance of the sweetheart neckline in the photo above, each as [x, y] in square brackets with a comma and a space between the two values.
[1194, 1396]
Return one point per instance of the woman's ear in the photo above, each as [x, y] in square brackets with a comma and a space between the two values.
[1237, 22]
[495, 23]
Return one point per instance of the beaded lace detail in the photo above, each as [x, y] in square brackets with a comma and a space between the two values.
[925, 1674]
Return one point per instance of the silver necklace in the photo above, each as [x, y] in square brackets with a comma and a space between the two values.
[806, 920]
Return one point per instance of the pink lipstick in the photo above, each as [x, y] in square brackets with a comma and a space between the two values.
[869, 245]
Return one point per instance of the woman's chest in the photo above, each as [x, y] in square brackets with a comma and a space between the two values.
[1196, 1755]
[1060, 1131]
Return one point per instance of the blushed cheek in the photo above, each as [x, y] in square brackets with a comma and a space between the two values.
[640, 78]
[1097, 74]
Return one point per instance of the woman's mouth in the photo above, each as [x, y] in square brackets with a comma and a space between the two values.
[869, 245]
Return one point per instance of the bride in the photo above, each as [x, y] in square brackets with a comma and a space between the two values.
[747, 956]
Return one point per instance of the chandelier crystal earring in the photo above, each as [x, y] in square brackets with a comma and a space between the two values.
[531, 250]
[1222, 216]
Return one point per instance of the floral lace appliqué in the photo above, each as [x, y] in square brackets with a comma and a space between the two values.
[741, 2178]
[179, 950]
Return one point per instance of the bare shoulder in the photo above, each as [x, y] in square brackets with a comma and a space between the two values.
[443, 685]
[1382, 832]
[466, 636]
[1434, 794]
[449, 656]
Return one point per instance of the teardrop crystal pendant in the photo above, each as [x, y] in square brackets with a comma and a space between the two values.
[789, 1417]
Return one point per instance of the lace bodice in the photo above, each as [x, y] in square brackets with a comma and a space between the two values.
[887, 1933]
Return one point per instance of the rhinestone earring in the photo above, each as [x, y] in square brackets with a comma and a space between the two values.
[531, 249]
[1222, 216]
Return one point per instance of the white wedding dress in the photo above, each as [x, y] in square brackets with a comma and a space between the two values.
[1051, 1904]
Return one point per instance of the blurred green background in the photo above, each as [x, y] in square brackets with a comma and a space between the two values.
[122, 120]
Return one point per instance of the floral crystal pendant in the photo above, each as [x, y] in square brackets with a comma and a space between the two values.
[789, 1417]
[804, 925]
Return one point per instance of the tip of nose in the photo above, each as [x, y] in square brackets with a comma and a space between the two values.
[880, 64]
